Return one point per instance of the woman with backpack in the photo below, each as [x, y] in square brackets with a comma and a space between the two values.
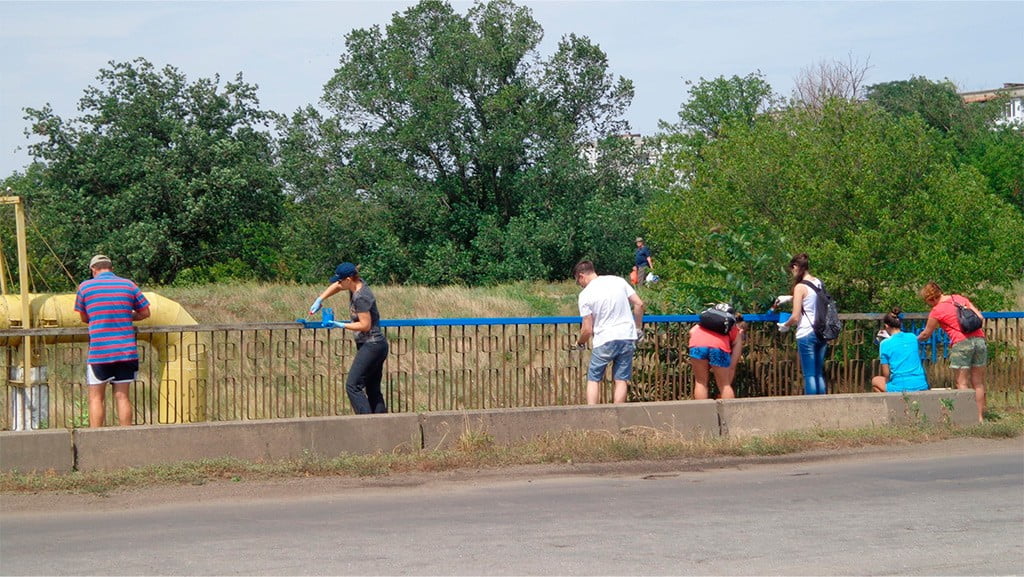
[809, 346]
[716, 352]
[968, 353]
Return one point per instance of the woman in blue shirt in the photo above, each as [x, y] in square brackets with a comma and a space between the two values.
[900, 358]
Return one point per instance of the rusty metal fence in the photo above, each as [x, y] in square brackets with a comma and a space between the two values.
[283, 370]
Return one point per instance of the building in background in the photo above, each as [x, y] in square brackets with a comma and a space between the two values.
[1013, 111]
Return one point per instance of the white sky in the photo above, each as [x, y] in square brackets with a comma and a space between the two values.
[51, 51]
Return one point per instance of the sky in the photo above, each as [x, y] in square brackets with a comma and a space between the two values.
[50, 52]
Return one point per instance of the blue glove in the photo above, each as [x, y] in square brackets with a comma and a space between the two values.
[315, 307]
[338, 324]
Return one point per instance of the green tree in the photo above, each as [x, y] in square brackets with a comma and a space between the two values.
[939, 105]
[740, 270]
[875, 200]
[164, 175]
[970, 129]
[716, 104]
[998, 155]
[450, 138]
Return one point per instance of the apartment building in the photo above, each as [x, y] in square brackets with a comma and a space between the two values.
[1013, 111]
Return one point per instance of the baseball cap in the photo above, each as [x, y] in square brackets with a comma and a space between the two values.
[100, 259]
[639, 239]
[343, 271]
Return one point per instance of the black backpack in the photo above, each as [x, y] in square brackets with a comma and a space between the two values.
[826, 323]
[969, 320]
[719, 318]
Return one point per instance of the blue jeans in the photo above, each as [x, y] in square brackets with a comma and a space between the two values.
[812, 362]
[364, 377]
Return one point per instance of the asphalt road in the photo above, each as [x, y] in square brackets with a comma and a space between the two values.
[950, 508]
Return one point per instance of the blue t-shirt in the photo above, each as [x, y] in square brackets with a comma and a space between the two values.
[901, 352]
[642, 254]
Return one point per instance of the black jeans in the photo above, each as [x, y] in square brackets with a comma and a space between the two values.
[363, 383]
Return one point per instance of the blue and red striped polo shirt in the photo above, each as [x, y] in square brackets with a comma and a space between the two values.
[109, 301]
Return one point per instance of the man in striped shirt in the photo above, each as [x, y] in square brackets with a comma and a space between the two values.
[109, 304]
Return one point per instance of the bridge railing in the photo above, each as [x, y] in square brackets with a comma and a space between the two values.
[283, 370]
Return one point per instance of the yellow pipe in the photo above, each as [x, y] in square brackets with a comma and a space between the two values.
[183, 355]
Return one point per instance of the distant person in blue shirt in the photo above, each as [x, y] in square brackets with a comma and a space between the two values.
[900, 358]
[642, 263]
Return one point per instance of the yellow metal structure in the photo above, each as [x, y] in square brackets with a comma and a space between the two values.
[182, 354]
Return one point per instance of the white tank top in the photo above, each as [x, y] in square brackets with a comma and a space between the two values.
[810, 306]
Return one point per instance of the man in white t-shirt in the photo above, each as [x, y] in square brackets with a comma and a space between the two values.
[614, 315]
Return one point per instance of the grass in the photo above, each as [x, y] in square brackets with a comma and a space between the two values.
[282, 302]
[477, 450]
[254, 302]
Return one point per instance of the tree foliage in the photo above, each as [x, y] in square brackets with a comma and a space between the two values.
[874, 199]
[970, 129]
[161, 174]
[457, 149]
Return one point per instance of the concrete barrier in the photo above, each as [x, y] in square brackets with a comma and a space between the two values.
[443, 429]
[119, 447]
[687, 419]
[37, 451]
[750, 417]
[939, 406]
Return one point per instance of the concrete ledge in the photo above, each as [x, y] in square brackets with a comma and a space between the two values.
[764, 416]
[271, 440]
[442, 429]
[37, 451]
[688, 419]
[928, 406]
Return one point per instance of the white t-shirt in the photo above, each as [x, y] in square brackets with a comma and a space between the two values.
[607, 298]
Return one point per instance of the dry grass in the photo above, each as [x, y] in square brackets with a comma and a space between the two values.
[252, 302]
[284, 302]
[478, 450]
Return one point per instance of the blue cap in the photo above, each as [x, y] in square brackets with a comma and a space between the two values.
[344, 270]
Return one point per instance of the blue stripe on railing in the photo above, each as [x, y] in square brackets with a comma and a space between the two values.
[458, 322]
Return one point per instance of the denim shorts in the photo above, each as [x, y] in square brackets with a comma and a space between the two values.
[619, 354]
[715, 357]
[972, 352]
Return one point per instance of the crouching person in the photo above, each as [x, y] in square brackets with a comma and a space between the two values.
[900, 358]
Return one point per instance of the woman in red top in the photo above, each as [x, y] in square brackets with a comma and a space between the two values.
[712, 352]
[968, 353]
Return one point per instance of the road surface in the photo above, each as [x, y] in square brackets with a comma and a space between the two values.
[954, 508]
